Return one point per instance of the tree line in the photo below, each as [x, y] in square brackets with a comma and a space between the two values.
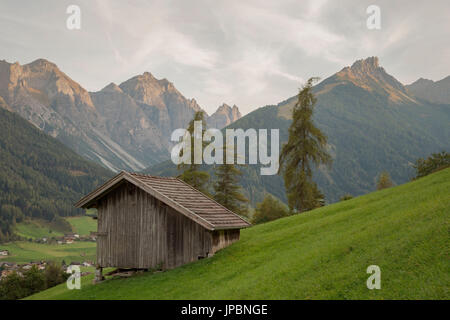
[18, 285]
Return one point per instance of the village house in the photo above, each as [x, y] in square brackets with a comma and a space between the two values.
[27, 266]
[71, 237]
[4, 252]
[86, 264]
[157, 222]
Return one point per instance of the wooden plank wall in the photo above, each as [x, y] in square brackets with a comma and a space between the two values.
[223, 238]
[142, 232]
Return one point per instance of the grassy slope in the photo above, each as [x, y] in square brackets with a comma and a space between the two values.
[322, 254]
[83, 225]
[36, 229]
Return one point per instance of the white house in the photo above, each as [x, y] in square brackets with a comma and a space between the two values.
[4, 253]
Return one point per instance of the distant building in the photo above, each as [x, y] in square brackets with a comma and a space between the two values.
[70, 237]
[4, 253]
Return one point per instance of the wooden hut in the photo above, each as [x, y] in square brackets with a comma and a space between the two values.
[157, 222]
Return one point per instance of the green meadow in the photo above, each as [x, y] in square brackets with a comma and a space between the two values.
[82, 225]
[321, 254]
[37, 229]
[24, 252]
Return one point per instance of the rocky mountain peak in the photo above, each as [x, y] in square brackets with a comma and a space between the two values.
[224, 116]
[149, 78]
[42, 64]
[148, 89]
[236, 113]
[362, 69]
[112, 87]
[41, 80]
[369, 75]
[367, 65]
[224, 108]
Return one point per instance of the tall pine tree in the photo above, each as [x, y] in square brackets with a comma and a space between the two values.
[227, 192]
[306, 146]
[191, 172]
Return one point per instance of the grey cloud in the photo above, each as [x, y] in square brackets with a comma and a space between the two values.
[248, 53]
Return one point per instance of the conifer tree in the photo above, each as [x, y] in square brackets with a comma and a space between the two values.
[227, 191]
[306, 146]
[191, 171]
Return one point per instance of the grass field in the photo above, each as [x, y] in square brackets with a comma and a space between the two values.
[24, 252]
[83, 225]
[36, 229]
[322, 254]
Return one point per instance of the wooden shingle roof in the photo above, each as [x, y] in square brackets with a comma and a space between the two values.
[176, 194]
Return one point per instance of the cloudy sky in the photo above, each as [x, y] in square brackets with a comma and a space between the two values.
[248, 53]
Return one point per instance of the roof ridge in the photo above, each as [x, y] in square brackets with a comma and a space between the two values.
[149, 175]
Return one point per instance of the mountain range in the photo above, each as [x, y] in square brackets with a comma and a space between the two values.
[124, 126]
[373, 123]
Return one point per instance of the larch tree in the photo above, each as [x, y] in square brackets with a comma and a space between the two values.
[306, 146]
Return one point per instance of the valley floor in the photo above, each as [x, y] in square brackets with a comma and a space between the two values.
[27, 251]
[322, 254]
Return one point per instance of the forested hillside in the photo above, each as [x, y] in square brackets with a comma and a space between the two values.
[39, 176]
